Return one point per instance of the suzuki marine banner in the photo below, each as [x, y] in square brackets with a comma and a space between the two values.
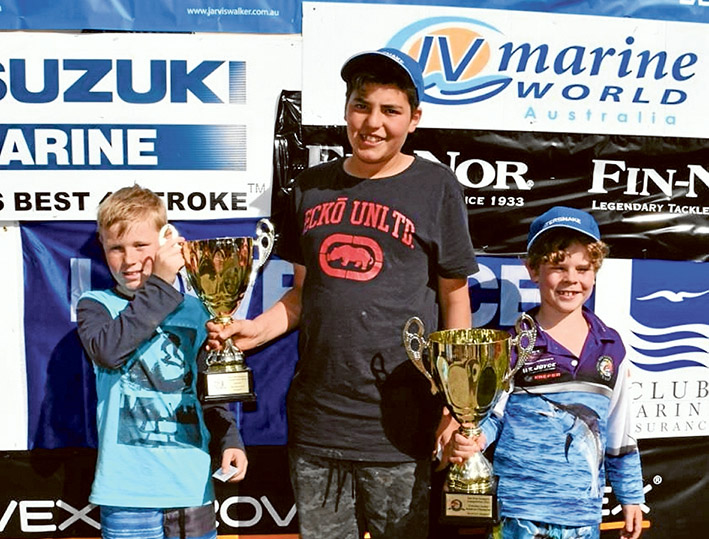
[188, 116]
[519, 71]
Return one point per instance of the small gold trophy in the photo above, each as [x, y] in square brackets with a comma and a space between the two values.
[471, 368]
[220, 271]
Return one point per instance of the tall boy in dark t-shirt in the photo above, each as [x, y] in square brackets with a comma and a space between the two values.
[375, 238]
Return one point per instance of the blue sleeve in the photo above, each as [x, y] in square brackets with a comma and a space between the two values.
[109, 341]
[625, 476]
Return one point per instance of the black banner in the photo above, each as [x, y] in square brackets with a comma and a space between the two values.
[650, 195]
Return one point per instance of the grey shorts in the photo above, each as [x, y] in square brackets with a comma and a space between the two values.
[343, 499]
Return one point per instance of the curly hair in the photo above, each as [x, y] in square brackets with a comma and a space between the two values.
[550, 248]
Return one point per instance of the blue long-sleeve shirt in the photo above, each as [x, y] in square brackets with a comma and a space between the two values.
[563, 429]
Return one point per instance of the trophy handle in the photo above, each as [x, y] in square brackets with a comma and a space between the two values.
[265, 238]
[166, 229]
[524, 341]
[415, 343]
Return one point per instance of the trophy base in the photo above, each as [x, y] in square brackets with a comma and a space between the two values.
[222, 385]
[466, 509]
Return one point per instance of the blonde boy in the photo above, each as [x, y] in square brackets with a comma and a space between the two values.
[143, 336]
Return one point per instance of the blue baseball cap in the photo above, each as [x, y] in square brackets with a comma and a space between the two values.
[563, 217]
[408, 65]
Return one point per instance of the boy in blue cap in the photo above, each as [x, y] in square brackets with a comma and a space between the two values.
[375, 238]
[566, 423]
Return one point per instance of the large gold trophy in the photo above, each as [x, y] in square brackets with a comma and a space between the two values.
[471, 368]
[220, 270]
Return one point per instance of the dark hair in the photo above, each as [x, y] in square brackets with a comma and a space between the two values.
[550, 248]
[383, 73]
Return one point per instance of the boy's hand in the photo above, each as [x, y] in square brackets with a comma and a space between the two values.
[633, 522]
[243, 333]
[456, 447]
[236, 457]
[168, 259]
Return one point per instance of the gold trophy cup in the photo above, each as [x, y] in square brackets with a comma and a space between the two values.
[220, 271]
[471, 368]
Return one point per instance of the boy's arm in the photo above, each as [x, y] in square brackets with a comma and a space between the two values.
[282, 317]
[622, 460]
[108, 341]
[225, 445]
[454, 300]
[633, 517]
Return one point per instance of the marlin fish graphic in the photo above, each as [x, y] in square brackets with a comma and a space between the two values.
[581, 425]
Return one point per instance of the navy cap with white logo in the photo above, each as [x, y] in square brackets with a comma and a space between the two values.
[563, 217]
[408, 65]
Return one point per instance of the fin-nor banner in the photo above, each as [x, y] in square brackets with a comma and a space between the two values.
[188, 116]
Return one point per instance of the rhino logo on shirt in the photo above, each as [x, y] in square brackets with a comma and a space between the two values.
[356, 258]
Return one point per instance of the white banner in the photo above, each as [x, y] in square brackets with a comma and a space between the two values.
[190, 116]
[659, 308]
[520, 71]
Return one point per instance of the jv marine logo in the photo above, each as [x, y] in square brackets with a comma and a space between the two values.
[455, 53]
[465, 60]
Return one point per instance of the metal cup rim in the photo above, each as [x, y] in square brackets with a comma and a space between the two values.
[441, 336]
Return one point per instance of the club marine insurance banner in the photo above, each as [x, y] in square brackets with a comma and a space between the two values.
[189, 116]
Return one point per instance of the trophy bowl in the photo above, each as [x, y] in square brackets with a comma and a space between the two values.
[471, 369]
[220, 270]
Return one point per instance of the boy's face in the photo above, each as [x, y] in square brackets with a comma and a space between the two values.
[130, 257]
[565, 286]
[379, 118]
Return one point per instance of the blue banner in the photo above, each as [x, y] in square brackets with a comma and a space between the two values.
[247, 16]
[63, 259]
[666, 10]
[122, 146]
[283, 16]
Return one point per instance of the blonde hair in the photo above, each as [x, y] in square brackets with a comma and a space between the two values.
[129, 205]
[551, 248]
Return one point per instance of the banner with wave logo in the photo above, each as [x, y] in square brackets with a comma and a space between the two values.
[660, 308]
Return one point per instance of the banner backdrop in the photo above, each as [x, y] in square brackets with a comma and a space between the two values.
[248, 16]
[518, 70]
[280, 16]
[581, 106]
[83, 114]
[62, 260]
[650, 195]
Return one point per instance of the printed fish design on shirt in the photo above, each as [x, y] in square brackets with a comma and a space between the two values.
[581, 424]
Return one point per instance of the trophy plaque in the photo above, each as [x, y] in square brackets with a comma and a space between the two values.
[220, 271]
[471, 369]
